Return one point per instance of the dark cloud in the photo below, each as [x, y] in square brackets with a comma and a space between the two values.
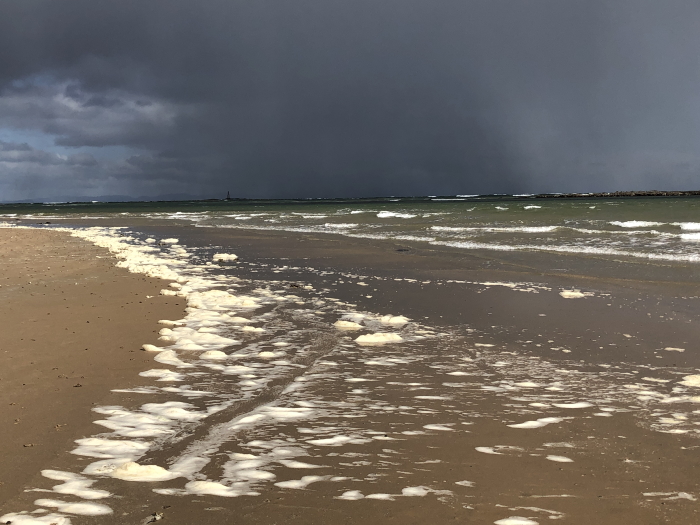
[13, 153]
[336, 98]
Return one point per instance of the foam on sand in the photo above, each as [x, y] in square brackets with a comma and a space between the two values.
[487, 450]
[351, 495]
[574, 294]
[224, 257]
[516, 520]
[672, 349]
[324, 410]
[132, 471]
[539, 423]
[347, 325]
[560, 459]
[434, 426]
[163, 374]
[213, 354]
[82, 509]
[378, 338]
[465, 483]
[213, 488]
[75, 484]
[302, 483]
[25, 519]
[693, 381]
[395, 320]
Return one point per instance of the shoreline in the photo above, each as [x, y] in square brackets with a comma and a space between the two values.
[485, 376]
[73, 325]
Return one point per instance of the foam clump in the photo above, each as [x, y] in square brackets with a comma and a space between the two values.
[75, 484]
[189, 339]
[379, 338]
[173, 410]
[302, 483]
[693, 380]
[574, 294]
[163, 374]
[82, 509]
[435, 426]
[539, 423]
[516, 520]
[212, 488]
[351, 495]
[393, 319]
[169, 357]
[347, 325]
[132, 471]
[219, 298]
[166, 322]
[580, 404]
[213, 354]
[256, 329]
[560, 459]
[109, 448]
[25, 519]
[170, 241]
[223, 257]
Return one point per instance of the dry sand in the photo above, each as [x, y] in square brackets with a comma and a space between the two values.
[72, 325]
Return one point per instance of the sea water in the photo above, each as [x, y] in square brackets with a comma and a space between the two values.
[656, 228]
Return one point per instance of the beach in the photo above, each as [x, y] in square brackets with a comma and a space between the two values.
[73, 326]
[320, 378]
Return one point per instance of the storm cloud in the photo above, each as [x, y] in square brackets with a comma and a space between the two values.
[327, 98]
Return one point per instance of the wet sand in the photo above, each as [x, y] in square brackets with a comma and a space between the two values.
[505, 356]
[72, 329]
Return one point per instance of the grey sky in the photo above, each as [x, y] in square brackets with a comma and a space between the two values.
[324, 98]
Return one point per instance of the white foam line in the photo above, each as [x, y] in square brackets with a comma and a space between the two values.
[26, 519]
[580, 404]
[516, 520]
[82, 509]
[539, 423]
[560, 459]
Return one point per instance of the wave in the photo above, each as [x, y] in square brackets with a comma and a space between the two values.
[689, 226]
[341, 225]
[388, 214]
[636, 224]
[521, 229]
[585, 250]
[475, 245]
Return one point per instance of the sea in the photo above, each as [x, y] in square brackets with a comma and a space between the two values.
[308, 387]
[657, 228]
